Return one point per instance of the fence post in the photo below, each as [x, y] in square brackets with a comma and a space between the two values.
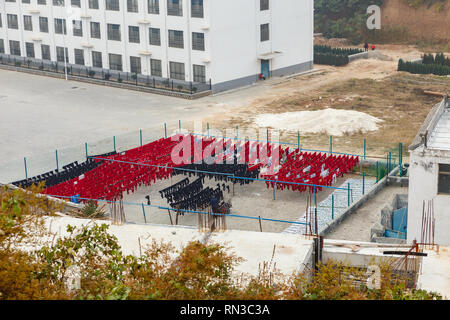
[57, 163]
[348, 194]
[377, 171]
[332, 206]
[140, 136]
[165, 130]
[400, 157]
[331, 145]
[364, 180]
[364, 149]
[143, 211]
[390, 162]
[25, 164]
[274, 185]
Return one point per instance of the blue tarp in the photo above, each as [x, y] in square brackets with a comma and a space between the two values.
[399, 224]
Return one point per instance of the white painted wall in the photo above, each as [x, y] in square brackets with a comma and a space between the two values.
[231, 28]
[423, 185]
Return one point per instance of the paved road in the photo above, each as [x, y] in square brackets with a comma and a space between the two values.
[41, 114]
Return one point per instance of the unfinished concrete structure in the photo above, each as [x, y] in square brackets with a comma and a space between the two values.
[429, 177]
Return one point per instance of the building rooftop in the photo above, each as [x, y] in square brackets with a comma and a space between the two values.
[440, 136]
[435, 131]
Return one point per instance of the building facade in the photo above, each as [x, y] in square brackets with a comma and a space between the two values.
[429, 176]
[229, 43]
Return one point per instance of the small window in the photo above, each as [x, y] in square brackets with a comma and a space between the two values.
[135, 65]
[45, 52]
[12, 21]
[29, 47]
[14, 47]
[93, 4]
[114, 32]
[79, 56]
[112, 5]
[60, 26]
[197, 8]
[77, 28]
[133, 34]
[153, 6]
[115, 62]
[264, 32]
[264, 5]
[95, 30]
[156, 67]
[132, 6]
[199, 73]
[198, 41]
[97, 59]
[2, 46]
[177, 70]
[155, 37]
[444, 179]
[27, 23]
[76, 3]
[174, 8]
[43, 24]
[60, 53]
[176, 39]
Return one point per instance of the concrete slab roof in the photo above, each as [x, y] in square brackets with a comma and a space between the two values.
[435, 272]
[292, 252]
[440, 136]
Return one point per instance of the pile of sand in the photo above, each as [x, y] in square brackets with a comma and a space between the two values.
[334, 122]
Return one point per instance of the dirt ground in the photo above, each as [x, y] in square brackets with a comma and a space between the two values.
[252, 200]
[372, 86]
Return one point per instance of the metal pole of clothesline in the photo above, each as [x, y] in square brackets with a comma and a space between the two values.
[331, 145]
[237, 133]
[143, 211]
[207, 127]
[267, 134]
[57, 162]
[332, 206]
[114, 141]
[364, 180]
[365, 149]
[274, 185]
[25, 164]
[348, 194]
[377, 171]
[315, 210]
[86, 149]
[140, 136]
[298, 140]
[165, 130]
[179, 126]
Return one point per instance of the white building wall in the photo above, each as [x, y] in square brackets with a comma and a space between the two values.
[291, 33]
[231, 29]
[423, 185]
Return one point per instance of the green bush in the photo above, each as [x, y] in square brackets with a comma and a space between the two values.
[337, 51]
[424, 68]
[331, 59]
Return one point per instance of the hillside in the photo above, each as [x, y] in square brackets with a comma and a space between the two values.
[423, 22]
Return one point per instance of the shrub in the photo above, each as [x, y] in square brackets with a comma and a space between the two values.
[424, 68]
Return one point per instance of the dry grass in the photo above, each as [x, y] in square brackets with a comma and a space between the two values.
[397, 99]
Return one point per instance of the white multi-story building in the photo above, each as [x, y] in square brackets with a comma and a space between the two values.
[229, 43]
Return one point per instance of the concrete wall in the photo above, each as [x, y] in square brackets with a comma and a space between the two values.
[423, 185]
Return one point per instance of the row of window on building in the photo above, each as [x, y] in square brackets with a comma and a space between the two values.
[174, 7]
[176, 69]
[176, 37]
